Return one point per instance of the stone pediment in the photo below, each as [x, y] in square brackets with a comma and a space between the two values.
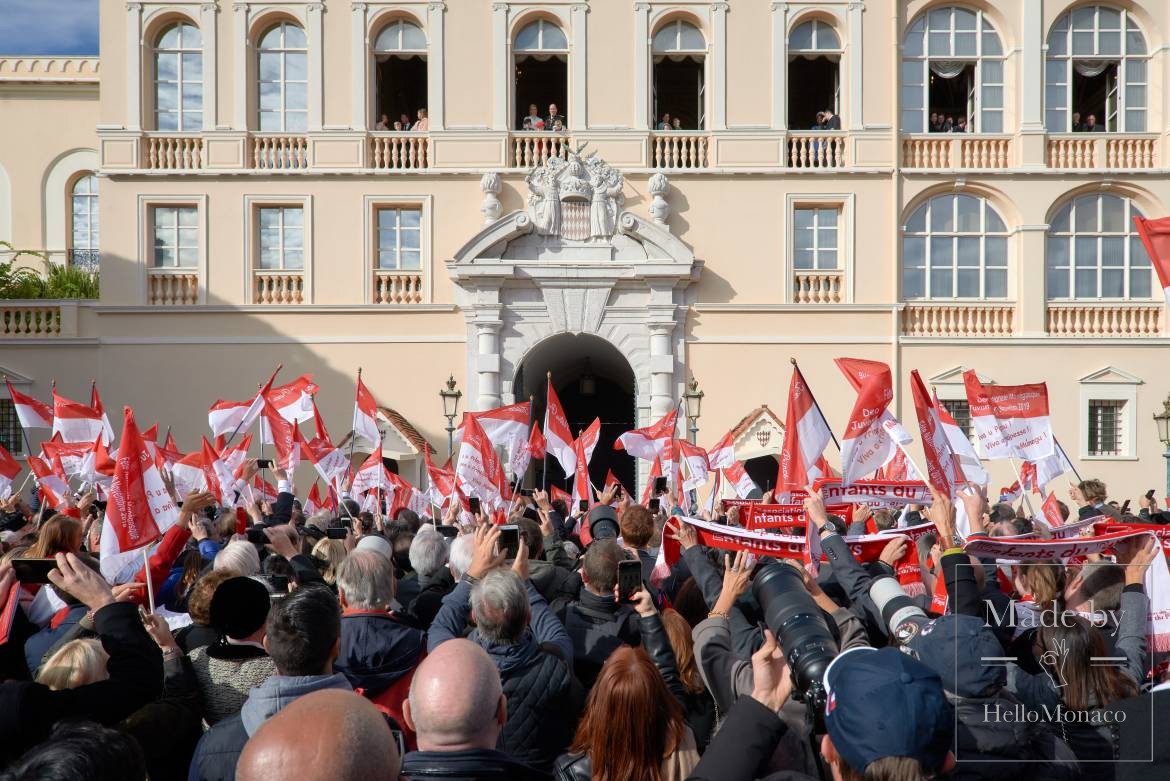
[1111, 376]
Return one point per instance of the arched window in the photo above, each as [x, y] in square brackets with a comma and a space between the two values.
[814, 76]
[83, 250]
[284, 79]
[400, 66]
[541, 77]
[1093, 251]
[679, 50]
[178, 78]
[952, 73]
[954, 246]
[1097, 66]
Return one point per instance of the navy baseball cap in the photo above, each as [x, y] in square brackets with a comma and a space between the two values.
[603, 522]
[958, 648]
[883, 703]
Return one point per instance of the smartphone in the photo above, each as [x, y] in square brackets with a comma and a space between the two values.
[279, 583]
[659, 485]
[33, 570]
[629, 579]
[654, 504]
[583, 505]
[473, 504]
[1150, 494]
[450, 532]
[264, 463]
[509, 542]
[526, 492]
[256, 535]
[336, 532]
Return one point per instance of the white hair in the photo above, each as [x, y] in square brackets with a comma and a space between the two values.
[500, 604]
[428, 551]
[239, 556]
[366, 578]
[460, 553]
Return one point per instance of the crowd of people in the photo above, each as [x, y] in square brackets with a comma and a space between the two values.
[348, 645]
[403, 123]
[554, 121]
[944, 123]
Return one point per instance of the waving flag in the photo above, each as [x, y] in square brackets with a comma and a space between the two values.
[1011, 494]
[1155, 235]
[723, 454]
[739, 479]
[582, 486]
[140, 508]
[1010, 420]
[442, 482]
[942, 470]
[217, 476]
[187, 474]
[226, 417]
[95, 401]
[9, 469]
[695, 459]
[370, 475]
[52, 484]
[478, 465]
[611, 480]
[648, 443]
[558, 436]
[1048, 469]
[1050, 509]
[278, 432]
[806, 435]
[255, 407]
[533, 448]
[294, 401]
[313, 504]
[329, 462]
[655, 473]
[235, 455]
[30, 412]
[70, 454]
[505, 426]
[866, 445]
[365, 414]
[74, 421]
[962, 448]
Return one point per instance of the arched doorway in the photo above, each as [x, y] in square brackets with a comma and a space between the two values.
[593, 380]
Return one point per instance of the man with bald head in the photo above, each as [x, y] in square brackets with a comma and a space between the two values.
[457, 709]
[350, 741]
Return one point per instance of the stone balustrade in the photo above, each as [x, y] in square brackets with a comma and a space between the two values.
[816, 150]
[173, 153]
[816, 287]
[30, 319]
[172, 287]
[1103, 319]
[278, 287]
[533, 148]
[279, 152]
[679, 150]
[958, 319]
[399, 151]
[956, 150]
[397, 287]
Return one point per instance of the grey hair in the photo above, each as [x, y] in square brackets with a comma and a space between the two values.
[366, 579]
[428, 551]
[240, 556]
[460, 554]
[500, 604]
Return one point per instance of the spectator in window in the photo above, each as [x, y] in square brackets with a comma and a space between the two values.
[832, 121]
[676, 123]
[960, 126]
[383, 123]
[935, 122]
[554, 116]
[404, 118]
[1090, 125]
[948, 124]
[665, 124]
[397, 126]
[1077, 124]
[558, 127]
[533, 121]
[424, 123]
[820, 123]
[526, 124]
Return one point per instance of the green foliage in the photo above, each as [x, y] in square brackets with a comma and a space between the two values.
[59, 282]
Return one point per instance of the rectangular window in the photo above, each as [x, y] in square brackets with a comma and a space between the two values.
[815, 238]
[10, 435]
[399, 237]
[282, 238]
[1106, 417]
[176, 236]
[960, 410]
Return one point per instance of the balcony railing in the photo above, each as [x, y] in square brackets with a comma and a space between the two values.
[679, 150]
[397, 287]
[278, 287]
[85, 259]
[172, 153]
[816, 150]
[172, 287]
[399, 151]
[1104, 319]
[956, 150]
[27, 319]
[279, 152]
[1102, 150]
[532, 148]
[816, 287]
[959, 318]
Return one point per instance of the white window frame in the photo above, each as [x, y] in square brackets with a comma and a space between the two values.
[1110, 384]
[252, 205]
[1130, 241]
[982, 234]
[846, 229]
[284, 52]
[172, 227]
[92, 200]
[180, 111]
[424, 203]
[146, 206]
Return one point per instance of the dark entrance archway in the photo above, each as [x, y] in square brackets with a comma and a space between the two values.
[593, 380]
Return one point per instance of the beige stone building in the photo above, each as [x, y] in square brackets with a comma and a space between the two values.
[258, 202]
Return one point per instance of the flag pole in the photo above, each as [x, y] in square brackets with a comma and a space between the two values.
[517, 479]
[1066, 458]
[149, 579]
[353, 428]
[544, 464]
[279, 366]
[820, 412]
[1023, 488]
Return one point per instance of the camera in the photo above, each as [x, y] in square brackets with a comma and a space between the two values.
[800, 628]
[899, 613]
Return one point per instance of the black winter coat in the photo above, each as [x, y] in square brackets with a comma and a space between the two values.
[993, 749]
[544, 703]
[598, 626]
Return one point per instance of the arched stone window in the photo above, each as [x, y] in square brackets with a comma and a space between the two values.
[679, 100]
[83, 229]
[283, 79]
[952, 67]
[814, 76]
[1097, 66]
[541, 74]
[954, 246]
[178, 78]
[400, 65]
[1092, 250]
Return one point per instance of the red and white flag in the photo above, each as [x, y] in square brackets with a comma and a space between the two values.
[506, 427]
[313, 504]
[1010, 420]
[648, 443]
[74, 421]
[278, 432]
[942, 469]
[655, 473]
[866, 444]
[294, 401]
[898, 469]
[611, 480]
[255, 407]
[266, 491]
[235, 455]
[533, 448]
[97, 468]
[70, 454]
[370, 475]
[739, 479]
[961, 447]
[9, 469]
[30, 412]
[722, 455]
[1050, 509]
[1155, 235]
[1048, 469]
[226, 417]
[582, 486]
[806, 435]
[478, 466]
[442, 482]
[558, 435]
[95, 401]
[217, 476]
[187, 474]
[140, 509]
[1011, 494]
[329, 462]
[51, 480]
[365, 414]
[695, 460]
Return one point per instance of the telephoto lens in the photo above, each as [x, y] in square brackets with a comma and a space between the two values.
[799, 627]
[899, 613]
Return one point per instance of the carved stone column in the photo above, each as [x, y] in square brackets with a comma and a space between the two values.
[488, 323]
[316, 39]
[133, 66]
[436, 65]
[719, 65]
[578, 109]
[359, 72]
[241, 51]
[779, 65]
[207, 23]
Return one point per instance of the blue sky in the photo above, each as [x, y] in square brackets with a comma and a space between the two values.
[31, 27]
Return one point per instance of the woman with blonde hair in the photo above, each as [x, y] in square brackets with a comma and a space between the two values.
[59, 534]
[77, 663]
[328, 555]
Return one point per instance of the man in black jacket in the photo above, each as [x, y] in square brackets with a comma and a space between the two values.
[457, 736]
[29, 710]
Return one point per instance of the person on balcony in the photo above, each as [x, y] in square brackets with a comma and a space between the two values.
[533, 121]
[676, 124]
[383, 123]
[1091, 125]
[1077, 125]
[961, 126]
[423, 124]
[831, 120]
[554, 117]
[404, 118]
[665, 124]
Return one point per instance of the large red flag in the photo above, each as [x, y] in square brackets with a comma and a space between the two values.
[806, 435]
[655, 473]
[942, 470]
[558, 435]
[722, 455]
[294, 401]
[219, 479]
[74, 421]
[278, 432]
[9, 469]
[365, 414]
[30, 412]
[865, 445]
[95, 401]
[648, 443]
[1155, 235]
[478, 468]
[1010, 420]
